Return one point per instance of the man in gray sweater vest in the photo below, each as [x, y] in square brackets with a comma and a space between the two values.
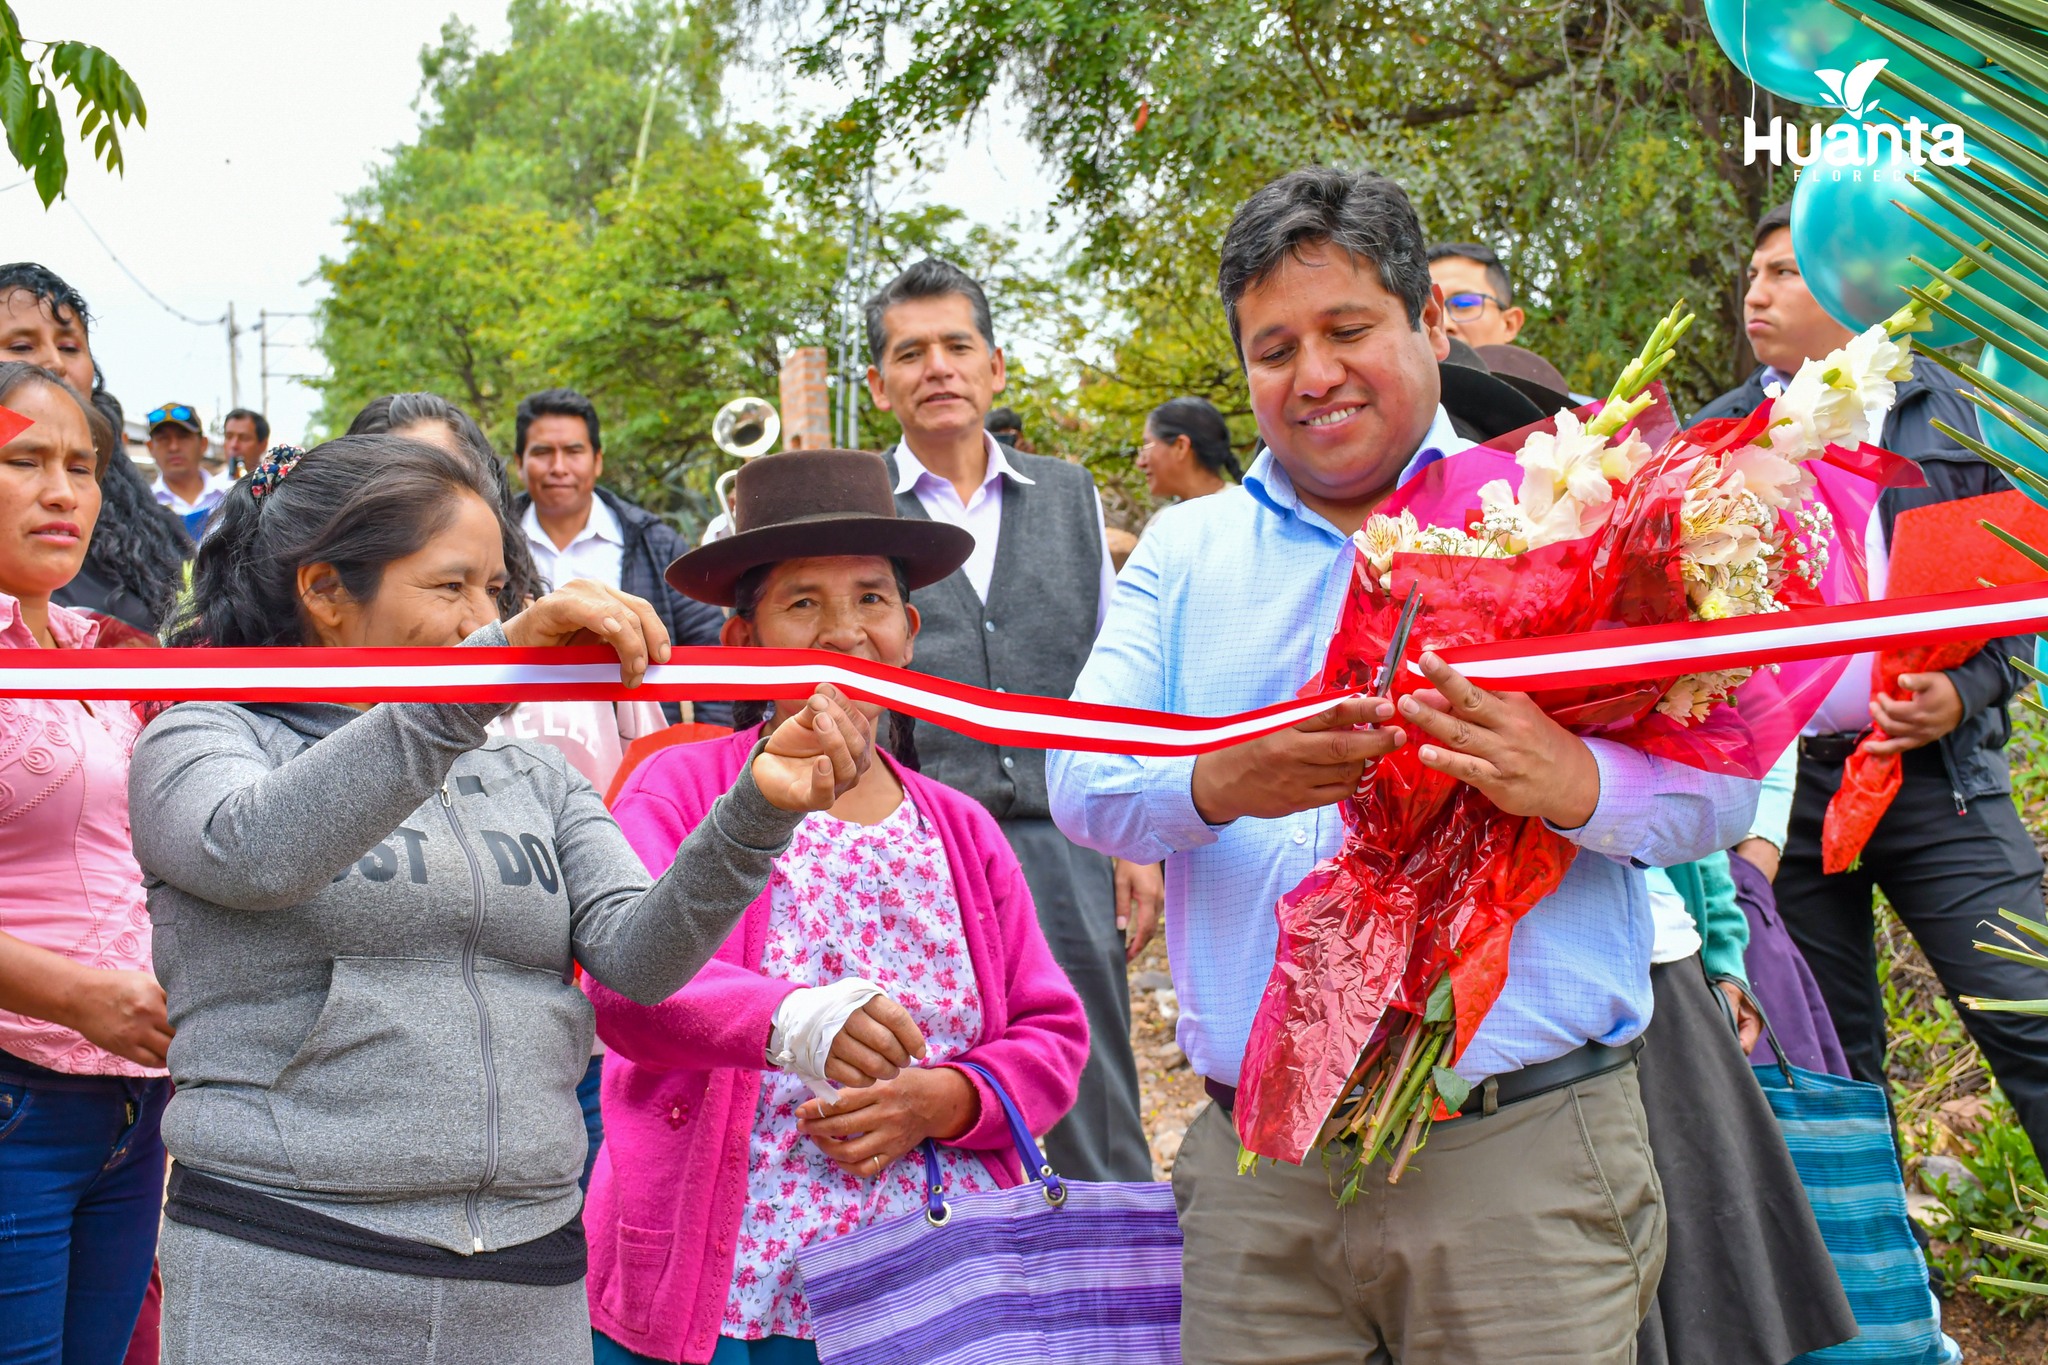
[1019, 616]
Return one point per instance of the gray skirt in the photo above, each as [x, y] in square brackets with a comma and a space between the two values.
[230, 1302]
[1747, 1279]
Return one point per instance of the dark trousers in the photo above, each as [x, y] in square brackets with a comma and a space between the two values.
[1947, 874]
[1102, 1137]
[81, 1189]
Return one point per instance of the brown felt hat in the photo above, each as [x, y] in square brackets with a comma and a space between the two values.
[808, 504]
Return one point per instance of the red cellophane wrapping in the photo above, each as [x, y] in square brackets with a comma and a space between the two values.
[1433, 876]
[1942, 548]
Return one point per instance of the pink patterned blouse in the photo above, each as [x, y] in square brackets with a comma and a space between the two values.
[68, 878]
[849, 900]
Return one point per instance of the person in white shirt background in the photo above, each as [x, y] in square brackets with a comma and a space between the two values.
[177, 442]
[575, 528]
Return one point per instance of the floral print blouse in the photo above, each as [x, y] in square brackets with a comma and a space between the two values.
[849, 900]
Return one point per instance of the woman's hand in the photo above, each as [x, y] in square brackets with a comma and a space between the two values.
[815, 757]
[866, 1130]
[122, 1012]
[584, 612]
[876, 1044]
[1749, 1025]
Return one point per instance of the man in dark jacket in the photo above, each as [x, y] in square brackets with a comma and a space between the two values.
[1951, 851]
[579, 530]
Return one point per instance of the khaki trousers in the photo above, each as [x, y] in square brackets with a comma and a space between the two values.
[1533, 1235]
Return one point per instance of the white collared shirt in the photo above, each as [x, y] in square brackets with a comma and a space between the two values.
[981, 516]
[596, 552]
[214, 488]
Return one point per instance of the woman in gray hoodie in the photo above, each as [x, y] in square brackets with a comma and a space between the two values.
[368, 920]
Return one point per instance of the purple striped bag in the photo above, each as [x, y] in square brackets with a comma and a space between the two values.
[1052, 1272]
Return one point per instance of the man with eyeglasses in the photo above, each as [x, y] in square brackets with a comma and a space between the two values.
[177, 442]
[1479, 298]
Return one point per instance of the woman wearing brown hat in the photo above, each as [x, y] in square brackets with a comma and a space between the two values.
[896, 936]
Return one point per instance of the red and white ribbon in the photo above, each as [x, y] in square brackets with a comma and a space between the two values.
[592, 674]
[1640, 652]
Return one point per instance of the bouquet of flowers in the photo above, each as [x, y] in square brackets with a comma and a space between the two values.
[1392, 952]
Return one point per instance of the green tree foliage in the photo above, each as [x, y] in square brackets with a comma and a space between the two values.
[1590, 142]
[31, 75]
[501, 252]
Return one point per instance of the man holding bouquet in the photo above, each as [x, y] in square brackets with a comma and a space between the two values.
[1531, 1229]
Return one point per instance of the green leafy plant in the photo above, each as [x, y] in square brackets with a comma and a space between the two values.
[32, 73]
[1987, 1225]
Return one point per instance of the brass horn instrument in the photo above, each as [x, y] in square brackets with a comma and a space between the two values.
[743, 428]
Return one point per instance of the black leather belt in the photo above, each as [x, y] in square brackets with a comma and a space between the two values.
[1830, 749]
[1511, 1087]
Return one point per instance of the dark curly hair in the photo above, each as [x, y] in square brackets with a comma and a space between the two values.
[139, 545]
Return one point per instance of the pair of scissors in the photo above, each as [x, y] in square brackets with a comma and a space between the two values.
[1383, 681]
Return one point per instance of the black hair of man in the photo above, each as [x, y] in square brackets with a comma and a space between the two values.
[1365, 215]
[1002, 422]
[1779, 217]
[262, 424]
[47, 287]
[1481, 255]
[554, 403]
[930, 278]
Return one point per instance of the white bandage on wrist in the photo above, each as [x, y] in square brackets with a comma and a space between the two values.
[806, 1023]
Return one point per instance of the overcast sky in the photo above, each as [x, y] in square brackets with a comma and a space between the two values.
[262, 116]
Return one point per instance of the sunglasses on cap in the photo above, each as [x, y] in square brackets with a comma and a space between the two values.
[1466, 305]
[172, 412]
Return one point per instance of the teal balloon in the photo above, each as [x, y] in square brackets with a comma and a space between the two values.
[1999, 435]
[1853, 242]
[1781, 44]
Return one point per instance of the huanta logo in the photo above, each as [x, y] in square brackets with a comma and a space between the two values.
[1866, 144]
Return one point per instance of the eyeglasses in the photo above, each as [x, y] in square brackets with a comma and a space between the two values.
[1468, 307]
[175, 412]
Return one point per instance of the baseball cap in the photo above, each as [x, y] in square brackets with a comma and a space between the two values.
[176, 415]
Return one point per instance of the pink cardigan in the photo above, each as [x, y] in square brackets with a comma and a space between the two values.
[684, 1077]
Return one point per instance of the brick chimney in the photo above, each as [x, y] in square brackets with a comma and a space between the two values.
[806, 401]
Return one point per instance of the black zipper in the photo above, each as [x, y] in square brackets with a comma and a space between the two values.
[483, 1020]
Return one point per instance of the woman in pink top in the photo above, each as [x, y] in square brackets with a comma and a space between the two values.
[82, 1024]
[896, 936]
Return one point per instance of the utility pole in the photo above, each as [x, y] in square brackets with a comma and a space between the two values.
[861, 248]
[263, 358]
[234, 366]
[668, 44]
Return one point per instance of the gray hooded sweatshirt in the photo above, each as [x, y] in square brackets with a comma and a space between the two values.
[365, 923]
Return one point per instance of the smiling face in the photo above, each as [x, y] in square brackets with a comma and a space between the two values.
[849, 604]
[1343, 386]
[49, 493]
[440, 594]
[560, 465]
[1786, 325]
[938, 375]
[31, 331]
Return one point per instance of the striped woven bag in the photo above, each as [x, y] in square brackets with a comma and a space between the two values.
[1840, 1136]
[1053, 1270]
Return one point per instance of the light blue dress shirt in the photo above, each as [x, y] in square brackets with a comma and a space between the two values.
[1229, 603]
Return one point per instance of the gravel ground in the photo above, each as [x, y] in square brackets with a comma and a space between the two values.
[1169, 1094]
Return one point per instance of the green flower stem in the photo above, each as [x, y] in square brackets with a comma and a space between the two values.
[1630, 396]
[1918, 316]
